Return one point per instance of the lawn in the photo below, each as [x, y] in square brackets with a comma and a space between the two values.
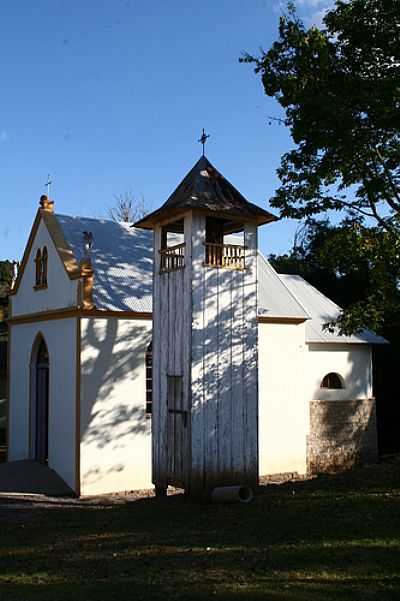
[329, 538]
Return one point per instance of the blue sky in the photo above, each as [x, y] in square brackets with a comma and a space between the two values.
[111, 95]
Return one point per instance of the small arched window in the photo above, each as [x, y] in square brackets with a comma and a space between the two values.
[148, 359]
[333, 381]
[44, 266]
[38, 262]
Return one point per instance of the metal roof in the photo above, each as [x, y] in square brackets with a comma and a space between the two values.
[322, 310]
[122, 260]
[206, 189]
[274, 298]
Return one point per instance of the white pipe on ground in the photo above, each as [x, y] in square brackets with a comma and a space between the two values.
[232, 494]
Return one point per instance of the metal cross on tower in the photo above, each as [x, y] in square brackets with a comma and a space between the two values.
[203, 139]
[47, 184]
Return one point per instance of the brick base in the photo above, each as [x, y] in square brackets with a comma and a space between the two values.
[283, 477]
[342, 435]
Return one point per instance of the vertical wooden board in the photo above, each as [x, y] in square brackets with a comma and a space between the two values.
[238, 399]
[179, 434]
[170, 430]
[177, 440]
[178, 327]
[186, 313]
[224, 407]
[186, 316]
[251, 353]
[196, 352]
[182, 419]
[163, 429]
[210, 432]
[171, 279]
[156, 345]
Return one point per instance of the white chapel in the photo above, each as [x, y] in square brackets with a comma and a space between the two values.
[179, 326]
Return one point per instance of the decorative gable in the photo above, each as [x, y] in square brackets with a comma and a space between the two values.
[49, 273]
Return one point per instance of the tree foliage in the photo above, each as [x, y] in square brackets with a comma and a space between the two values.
[354, 265]
[6, 278]
[340, 89]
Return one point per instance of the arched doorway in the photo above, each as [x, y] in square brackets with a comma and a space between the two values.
[41, 402]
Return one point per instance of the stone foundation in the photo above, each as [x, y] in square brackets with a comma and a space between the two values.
[342, 434]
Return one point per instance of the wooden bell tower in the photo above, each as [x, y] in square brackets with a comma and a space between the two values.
[205, 374]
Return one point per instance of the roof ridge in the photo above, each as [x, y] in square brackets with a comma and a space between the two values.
[362, 335]
[314, 288]
[97, 219]
[284, 285]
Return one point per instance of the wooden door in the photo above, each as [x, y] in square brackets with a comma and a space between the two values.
[178, 434]
[42, 405]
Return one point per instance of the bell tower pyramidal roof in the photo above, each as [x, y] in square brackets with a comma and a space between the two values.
[206, 190]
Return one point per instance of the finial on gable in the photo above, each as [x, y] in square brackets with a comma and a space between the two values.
[46, 204]
[87, 243]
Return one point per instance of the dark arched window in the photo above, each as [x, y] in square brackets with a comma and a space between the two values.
[38, 262]
[41, 268]
[333, 381]
[44, 266]
[41, 410]
[42, 357]
[149, 379]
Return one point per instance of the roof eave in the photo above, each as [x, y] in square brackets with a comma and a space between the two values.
[355, 342]
[160, 217]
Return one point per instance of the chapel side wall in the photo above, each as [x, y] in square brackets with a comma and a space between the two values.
[115, 448]
[60, 338]
[224, 369]
[342, 429]
[283, 400]
[61, 291]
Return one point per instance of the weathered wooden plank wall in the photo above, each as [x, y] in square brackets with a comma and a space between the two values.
[225, 372]
[195, 357]
[171, 357]
[250, 335]
[205, 330]
[159, 468]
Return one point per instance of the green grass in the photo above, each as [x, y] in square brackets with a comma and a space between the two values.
[330, 538]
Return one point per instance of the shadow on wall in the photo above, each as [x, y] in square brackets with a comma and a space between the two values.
[118, 349]
[226, 356]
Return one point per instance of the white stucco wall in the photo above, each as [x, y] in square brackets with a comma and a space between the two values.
[353, 362]
[60, 337]
[283, 403]
[61, 291]
[115, 432]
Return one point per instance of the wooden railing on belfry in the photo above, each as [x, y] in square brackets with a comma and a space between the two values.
[172, 258]
[229, 256]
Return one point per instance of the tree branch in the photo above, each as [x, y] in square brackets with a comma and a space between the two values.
[353, 207]
[395, 205]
